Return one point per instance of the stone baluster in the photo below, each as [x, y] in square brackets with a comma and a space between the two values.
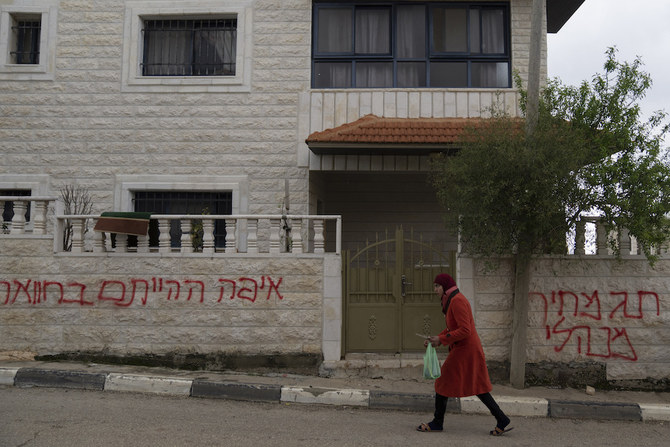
[186, 241]
[4, 228]
[208, 236]
[252, 235]
[19, 219]
[624, 242]
[40, 221]
[164, 236]
[121, 243]
[99, 241]
[319, 240]
[580, 237]
[601, 238]
[143, 244]
[275, 238]
[77, 235]
[296, 234]
[231, 240]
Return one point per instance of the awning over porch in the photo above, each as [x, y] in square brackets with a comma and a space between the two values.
[374, 135]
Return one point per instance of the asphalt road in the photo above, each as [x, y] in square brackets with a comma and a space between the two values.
[36, 417]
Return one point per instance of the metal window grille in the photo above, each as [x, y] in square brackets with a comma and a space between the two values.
[175, 47]
[26, 47]
[184, 202]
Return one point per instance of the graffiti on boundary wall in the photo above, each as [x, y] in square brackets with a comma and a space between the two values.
[593, 336]
[137, 290]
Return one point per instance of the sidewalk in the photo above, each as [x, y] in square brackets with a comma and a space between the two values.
[396, 394]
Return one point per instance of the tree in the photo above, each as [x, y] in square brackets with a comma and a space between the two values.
[77, 201]
[510, 192]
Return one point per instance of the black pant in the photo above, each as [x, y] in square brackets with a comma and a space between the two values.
[486, 398]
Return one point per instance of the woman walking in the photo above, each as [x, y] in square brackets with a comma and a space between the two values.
[464, 372]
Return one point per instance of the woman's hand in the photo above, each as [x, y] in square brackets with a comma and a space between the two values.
[433, 340]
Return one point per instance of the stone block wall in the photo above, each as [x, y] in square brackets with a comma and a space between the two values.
[127, 305]
[596, 310]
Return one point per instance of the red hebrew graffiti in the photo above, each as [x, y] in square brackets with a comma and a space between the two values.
[581, 324]
[137, 291]
[272, 286]
[81, 301]
[640, 296]
[178, 287]
[22, 287]
[229, 281]
[119, 291]
[190, 290]
[246, 293]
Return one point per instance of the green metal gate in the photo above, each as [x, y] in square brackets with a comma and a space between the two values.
[389, 294]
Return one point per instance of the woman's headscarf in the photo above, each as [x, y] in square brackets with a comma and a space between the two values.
[448, 285]
[446, 281]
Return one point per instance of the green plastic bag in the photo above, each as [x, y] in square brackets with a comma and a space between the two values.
[431, 365]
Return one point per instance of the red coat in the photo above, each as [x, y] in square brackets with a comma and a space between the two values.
[464, 372]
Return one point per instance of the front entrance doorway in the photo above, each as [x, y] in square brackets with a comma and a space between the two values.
[389, 293]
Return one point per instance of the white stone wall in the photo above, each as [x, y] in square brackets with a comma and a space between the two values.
[125, 304]
[86, 126]
[83, 120]
[581, 309]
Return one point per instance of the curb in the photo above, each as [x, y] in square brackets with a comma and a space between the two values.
[514, 406]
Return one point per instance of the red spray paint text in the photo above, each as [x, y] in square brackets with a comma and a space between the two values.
[136, 291]
[579, 317]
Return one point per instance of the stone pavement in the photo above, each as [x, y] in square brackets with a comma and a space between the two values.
[356, 391]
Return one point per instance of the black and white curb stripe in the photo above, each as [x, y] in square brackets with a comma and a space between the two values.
[513, 406]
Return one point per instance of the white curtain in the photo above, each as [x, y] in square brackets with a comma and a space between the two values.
[493, 31]
[166, 52]
[335, 27]
[373, 31]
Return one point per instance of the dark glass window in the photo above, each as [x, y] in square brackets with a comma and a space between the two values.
[422, 44]
[177, 47]
[184, 202]
[26, 39]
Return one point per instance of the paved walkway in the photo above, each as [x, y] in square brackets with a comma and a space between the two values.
[399, 394]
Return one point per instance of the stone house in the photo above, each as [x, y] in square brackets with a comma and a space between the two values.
[281, 148]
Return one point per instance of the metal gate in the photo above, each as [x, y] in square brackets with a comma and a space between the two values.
[389, 294]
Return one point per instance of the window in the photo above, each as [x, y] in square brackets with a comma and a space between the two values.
[175, 47]
[28, 40]
[25, 39]
[184, 202]
[187, 46]
[411, 45]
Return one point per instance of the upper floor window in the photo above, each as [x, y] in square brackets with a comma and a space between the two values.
[187, 47]
[25, 39]
[28, 39]
[404, 45]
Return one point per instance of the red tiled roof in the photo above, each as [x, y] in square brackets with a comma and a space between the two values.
[372, 129]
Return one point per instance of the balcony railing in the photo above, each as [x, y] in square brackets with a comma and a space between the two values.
[249, 234]
[591, 238]
[18, 223]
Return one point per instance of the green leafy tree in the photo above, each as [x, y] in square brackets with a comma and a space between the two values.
[512, 192]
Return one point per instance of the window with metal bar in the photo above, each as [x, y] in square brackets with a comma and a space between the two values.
[26, 39]
[189, 47]
[184, 202]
